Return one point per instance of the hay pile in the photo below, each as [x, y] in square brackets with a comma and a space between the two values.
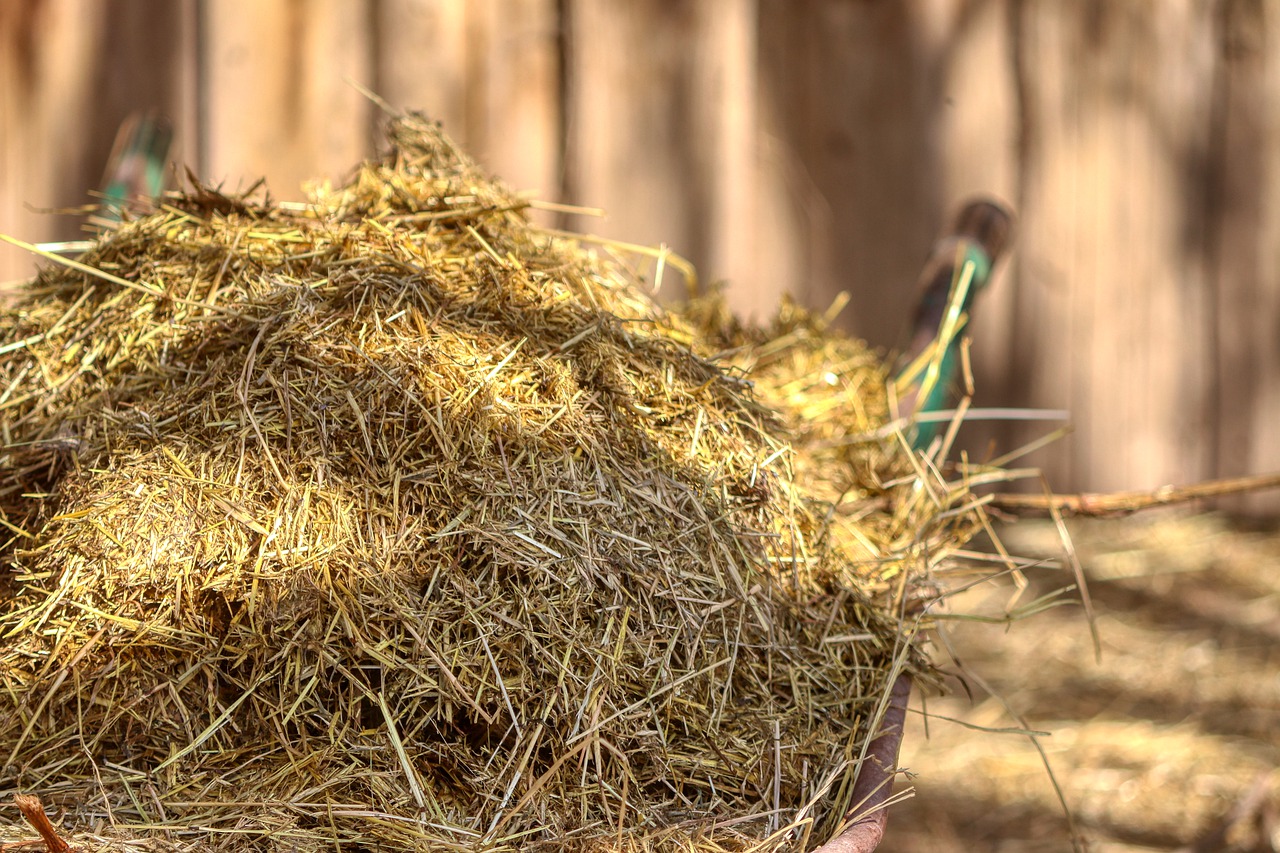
[395, 522]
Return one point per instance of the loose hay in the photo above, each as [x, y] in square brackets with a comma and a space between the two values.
[397, 522]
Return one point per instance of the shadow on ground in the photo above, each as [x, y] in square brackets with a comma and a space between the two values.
[1169, 743]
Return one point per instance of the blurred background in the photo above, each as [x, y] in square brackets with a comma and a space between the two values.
[784, 146]
[817, 146]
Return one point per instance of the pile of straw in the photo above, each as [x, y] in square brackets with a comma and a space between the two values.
[392, 521]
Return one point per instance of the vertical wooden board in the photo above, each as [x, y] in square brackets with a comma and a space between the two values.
[489, 70]
[1264, 293]
[1112, 296]
[515, 118]
[38, 93]
[792, 229]
[1245, 223]
[658, 120]
[626, 137]
[850, 98]
[70, 72]
[276, 100]
[420, 60]
[725, 85]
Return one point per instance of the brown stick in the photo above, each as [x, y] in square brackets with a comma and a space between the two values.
[33, 810]
[1122, 503]
[875, 780]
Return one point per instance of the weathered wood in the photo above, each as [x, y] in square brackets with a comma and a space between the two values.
[275, 101]
[659, 128]
[489, 70]
[421, 60]
[802, 146]
[1243, 258]
[854, 96]
[1111, 289]
[70, 72]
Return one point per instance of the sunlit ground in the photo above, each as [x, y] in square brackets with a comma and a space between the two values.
[1170, 743]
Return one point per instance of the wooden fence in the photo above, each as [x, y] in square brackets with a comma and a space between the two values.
[803, 146]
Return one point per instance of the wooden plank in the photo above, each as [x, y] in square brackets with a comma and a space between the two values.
[659, 124]
[517, 82]
[1243, 221]
[489, 70]
[849, 105]
[70, 72]
[275, 100]
[421, 59]
[1111, 294]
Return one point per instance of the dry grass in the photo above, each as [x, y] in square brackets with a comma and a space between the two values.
[393, 520]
